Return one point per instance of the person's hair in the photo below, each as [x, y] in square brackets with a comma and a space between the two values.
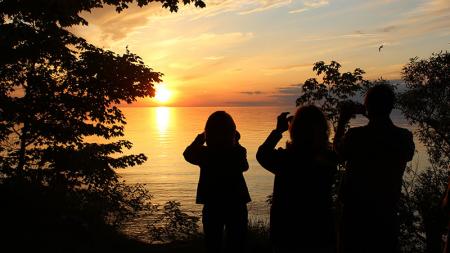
[309, 130]
[379, 100]
[220, 130]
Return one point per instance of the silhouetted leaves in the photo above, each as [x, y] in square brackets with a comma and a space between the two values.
[171, 224]
[334, 88]
[426, 105]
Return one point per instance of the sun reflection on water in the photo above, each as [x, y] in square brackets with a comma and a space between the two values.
[162, 118]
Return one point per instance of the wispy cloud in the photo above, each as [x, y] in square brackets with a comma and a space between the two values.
[260, 6]
[242, 7]
[213, 58]
[286, 95]
[308, 5]
[355, 35]
[255, 92]
[106, 24]
[426, 18]
[288, 67]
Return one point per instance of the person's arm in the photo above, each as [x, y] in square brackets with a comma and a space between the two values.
[267, 156]
[193, 153]
[339, 137]
[241, 161]
[340, 145]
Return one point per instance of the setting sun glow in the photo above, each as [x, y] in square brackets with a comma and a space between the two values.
[162, 94]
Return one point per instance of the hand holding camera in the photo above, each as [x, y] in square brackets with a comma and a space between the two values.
[283, 122]
[200, 139]
[348, 109]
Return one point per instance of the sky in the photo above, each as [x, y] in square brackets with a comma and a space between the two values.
[257, 52]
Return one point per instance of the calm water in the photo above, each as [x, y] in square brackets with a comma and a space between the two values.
[162, 133]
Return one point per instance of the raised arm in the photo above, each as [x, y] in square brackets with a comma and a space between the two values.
[267, 155]
[345, 114]
[193, 153]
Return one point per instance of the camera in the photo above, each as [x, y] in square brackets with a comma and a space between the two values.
[352, 108]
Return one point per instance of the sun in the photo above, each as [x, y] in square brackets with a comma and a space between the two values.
[162, 94]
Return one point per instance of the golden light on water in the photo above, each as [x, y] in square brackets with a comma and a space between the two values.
[162, 118]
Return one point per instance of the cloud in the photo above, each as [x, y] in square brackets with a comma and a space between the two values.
[242, 7]
[308, 5]
[355, 35]
[289, 90]
[265, 5]
[285, 68]
[281, 96]
[106, 24]
[388, 28]
[248, 103]
[213, 58]
[286, 95]
[208, 50]
[256, 92]
[292, 66]
[427, 17]
[204, 39]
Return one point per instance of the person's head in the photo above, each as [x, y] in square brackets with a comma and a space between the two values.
[309, 129]
[379, 101]
[220, 130]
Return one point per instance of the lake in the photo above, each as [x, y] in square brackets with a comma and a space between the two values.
[162, 134]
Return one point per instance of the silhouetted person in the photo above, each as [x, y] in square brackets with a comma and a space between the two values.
[375, 157]
[301, 216]
[221, 187]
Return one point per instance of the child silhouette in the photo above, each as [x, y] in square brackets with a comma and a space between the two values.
[221, 187]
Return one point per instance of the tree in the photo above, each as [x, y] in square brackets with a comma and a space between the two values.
[334, 88]
[56, 89]
[426, 104]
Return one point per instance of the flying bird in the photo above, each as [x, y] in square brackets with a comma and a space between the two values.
[380, 47]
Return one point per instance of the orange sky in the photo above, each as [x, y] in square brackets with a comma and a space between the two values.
[254, 52]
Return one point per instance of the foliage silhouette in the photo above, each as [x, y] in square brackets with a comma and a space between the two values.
[425, 104]
[334, 88]
[58, 93]
[173, 225]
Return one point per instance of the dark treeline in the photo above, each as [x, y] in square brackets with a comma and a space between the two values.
[59, 193]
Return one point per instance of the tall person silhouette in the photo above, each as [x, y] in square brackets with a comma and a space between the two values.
[375, 157]
[301, 216]
[221, 187]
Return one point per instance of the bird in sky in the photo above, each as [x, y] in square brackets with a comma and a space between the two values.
[380, 47]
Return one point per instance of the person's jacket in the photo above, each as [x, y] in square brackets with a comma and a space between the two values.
[302, 206]
[221, 173]
[376, 157]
